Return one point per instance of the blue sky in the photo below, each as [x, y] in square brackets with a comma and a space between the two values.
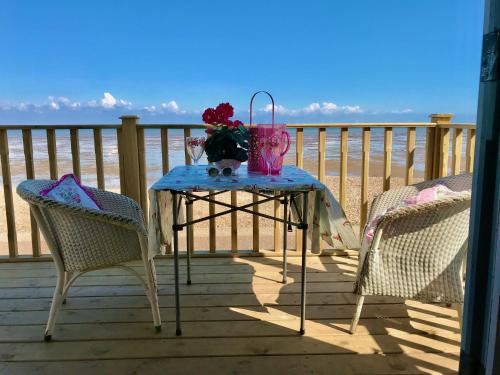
[324, 61]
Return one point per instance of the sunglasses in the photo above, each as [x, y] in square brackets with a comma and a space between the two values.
[214, 172]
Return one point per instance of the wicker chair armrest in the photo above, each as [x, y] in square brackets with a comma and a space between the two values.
[419, 216]
[117, 209]
[390, 198]
[119, 205]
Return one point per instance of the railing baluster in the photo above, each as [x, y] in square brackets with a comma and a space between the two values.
[469, 153]
[119, 135]
[141, 150]
[165, 166]
[387, 157]
[343, 166]
[30, 174]
[321, 154]
[7, 191]
[234, 224]
[277, 227]
[321, 165]
[444, 152]
[410, 155]
[75, 152]
[365, 175]
[299, 162]
[457, 151]
[430, 146]
[189, 207]
[99, 160]
[52, 151]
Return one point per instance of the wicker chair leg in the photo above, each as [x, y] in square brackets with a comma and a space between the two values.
[357, 313]
[152, 294]
[57, 301]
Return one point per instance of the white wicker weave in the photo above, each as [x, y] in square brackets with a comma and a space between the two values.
[83, 240]
[418, 251]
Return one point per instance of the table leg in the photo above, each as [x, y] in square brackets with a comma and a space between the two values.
[304, 226]
[176, 264]
[285, 234]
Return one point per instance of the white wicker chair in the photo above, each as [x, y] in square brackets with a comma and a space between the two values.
[417, 251]
[83, 240]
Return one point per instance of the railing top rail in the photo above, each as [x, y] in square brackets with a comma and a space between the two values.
[338, 125]
[457, 126]
[325, 125]
[61, 127]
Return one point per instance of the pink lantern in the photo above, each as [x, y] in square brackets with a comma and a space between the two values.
[263, 134]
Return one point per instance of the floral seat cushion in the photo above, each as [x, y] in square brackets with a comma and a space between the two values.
[69, 190]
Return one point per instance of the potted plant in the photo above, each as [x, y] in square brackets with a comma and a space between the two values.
[227, 141]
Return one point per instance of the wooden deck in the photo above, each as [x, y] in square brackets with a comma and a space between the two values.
[237, 318]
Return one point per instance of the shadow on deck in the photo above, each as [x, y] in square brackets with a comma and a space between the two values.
[237, 318]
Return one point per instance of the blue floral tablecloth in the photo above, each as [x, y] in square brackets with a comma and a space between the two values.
[326, 218]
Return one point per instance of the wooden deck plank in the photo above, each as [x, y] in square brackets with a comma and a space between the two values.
[130, 302]
[236, 346]
[416, 363]
[243, 328]
[237, 318]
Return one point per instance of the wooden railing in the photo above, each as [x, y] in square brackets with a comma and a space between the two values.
[130, 138]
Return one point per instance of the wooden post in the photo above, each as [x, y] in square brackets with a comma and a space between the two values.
[30, 175]
[410, 155]
[128, 151]
[7, 191]
[439, 164]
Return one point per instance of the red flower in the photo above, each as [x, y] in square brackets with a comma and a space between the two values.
[209, 131]
[210, 116]
[237, 123]
[224, 111]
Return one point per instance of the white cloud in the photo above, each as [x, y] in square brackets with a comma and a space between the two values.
[56, 103]
[325, 108]
[279, 109]
[109, 101]
[402, 111]
[173, 107]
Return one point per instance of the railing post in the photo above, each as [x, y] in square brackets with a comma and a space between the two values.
[128, 152]
[441, 144]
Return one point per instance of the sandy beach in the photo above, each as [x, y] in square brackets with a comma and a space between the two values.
[223, 223]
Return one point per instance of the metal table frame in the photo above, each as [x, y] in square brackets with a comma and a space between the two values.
[285, 197]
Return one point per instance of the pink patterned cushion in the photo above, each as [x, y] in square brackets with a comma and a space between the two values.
[427, 195]
[69, 190]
